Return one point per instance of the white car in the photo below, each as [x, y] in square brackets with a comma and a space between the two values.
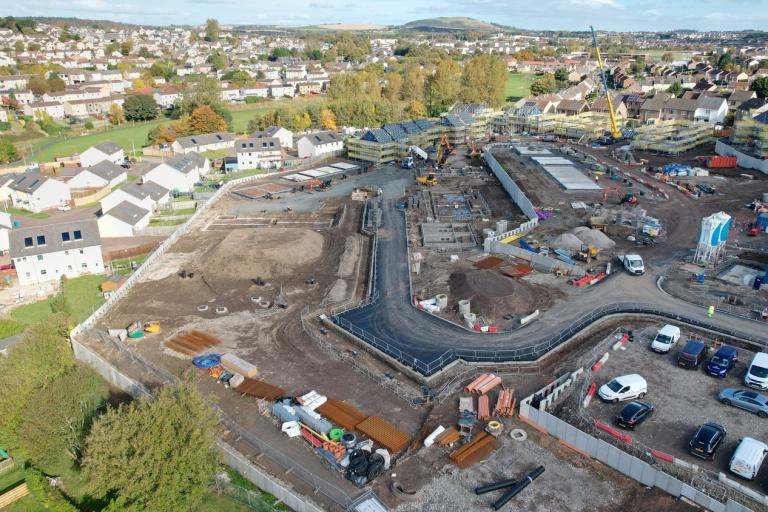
[626, 387]
[665, 339]
[64, 208]
[748, 457]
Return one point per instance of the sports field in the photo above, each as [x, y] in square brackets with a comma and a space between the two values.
[518, 85]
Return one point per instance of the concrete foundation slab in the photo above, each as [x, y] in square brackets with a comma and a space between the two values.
[571, 178]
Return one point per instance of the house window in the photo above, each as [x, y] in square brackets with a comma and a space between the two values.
[69, 267]
[28, 241]
[84, 265]
[81, 251]
[77, 234]
[28, 274]
[43, 272]
[66, 253]
[39, 257]
[65, 236]
[40, 239]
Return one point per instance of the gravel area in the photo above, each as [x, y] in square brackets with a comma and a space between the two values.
[683, 399]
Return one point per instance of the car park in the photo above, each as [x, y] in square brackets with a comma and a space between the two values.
[633, 414]
[665, 339]
[757, 374]
[723, 361]
[692, 355]
[748, 457]
[626, 387]
[706, 439]
[744, 399]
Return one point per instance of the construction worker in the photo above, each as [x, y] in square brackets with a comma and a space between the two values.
[710, 311]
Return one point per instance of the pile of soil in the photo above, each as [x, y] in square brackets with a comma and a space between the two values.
[265, 253]
[493, 295]
[593, 238]
[567, 241]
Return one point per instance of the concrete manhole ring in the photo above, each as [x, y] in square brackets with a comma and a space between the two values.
[202, 307]
[220, 310]
[402, 493]
[518, 434]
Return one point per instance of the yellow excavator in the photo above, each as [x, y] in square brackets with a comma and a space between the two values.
[428, 180]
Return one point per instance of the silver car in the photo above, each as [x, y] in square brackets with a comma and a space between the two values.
[745, 399]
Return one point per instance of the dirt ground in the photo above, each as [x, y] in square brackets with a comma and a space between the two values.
[683, 400]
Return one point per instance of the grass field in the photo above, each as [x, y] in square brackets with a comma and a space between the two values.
[518, 85]
[26, 213]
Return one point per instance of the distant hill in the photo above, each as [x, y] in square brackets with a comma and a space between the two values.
[452, 24]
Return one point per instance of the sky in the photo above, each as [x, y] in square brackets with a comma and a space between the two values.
[619, 15]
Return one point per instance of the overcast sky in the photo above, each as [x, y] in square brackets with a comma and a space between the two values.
[538, 14]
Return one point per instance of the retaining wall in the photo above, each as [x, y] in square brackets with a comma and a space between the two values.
[539, 262]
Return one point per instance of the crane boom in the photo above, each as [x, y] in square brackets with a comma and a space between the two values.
[615, 132]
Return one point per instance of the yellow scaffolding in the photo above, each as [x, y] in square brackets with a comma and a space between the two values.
[672, 137]
[751, 135]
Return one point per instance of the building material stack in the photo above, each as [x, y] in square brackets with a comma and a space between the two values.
[474, 451]
[505, 404]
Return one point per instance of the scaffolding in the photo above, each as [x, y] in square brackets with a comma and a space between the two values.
[587, 125]
[672, 137]
[752, 136]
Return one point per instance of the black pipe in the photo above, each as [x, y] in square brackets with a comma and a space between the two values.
[518, 488]
[495, 486]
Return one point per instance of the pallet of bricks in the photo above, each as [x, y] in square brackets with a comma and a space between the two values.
[476, 442]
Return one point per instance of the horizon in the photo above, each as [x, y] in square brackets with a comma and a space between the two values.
[605, 15]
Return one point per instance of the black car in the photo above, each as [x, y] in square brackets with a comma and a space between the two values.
[692, 355]
[705, 441]
[634, 413]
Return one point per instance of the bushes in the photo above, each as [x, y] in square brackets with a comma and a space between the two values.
[50, 498]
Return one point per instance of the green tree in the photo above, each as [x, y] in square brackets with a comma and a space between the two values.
[544, 84]
[154, 454]
[19, 46]
[111, 48]
[140, 107]
[42, 356]
[280, 52]
[212, 29]
[161, 69]
[238, 77]
[667, 57]
[676, 89]
[725, 60]
[7, 152]
[126, 47]
[484, 80]
[58, 415]
[55, 83]
[217, 60]
[144, 52]
[38, 85]
[413, 84]
[561, 75]
[394, 84]
[443, 86]
[34, 47]
[760, 86]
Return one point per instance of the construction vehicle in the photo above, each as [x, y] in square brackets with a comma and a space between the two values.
[428, 180]
[586, 254]
[408, 162]
[614, 135]
[472, 150]
[152, 326]
[444, 150]
[628, 198]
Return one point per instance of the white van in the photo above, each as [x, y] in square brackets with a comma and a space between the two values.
[748, 458]
[623, 388]
[757, 374]
[665, 339]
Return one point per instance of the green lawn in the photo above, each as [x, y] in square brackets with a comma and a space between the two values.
[173, 222]
[82, 294]
[180, 211]
[126, 136]
[125, 263]
[26, 213]
[217, 153]
[10, 478]
[518, 85]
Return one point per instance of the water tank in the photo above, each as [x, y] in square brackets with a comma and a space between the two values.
[709, 231]
[464, 307]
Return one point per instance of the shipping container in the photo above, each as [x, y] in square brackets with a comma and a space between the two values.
[716, 162]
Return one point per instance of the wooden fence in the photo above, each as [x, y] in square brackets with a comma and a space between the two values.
[130, 252]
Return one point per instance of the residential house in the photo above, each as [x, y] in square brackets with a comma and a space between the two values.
[180, 172]
[280, 90]
[202, 143]
[17, 82]
[711, 109]
[736, 98]
[617, 102]
[664, 106]
[23, 97]
[285, 135]
[34, 192]
[571, 107]
[92, 107]
[3, 115]
[5, 227]
[750, 108]
[148, 196]
[106, 150]
[303, 88]
[166, 98]
[124, 219]
[633, 103]
[39, 108]
[255, 91]
[103, 174]
[262, 152]
[320, 143]
[47, 253]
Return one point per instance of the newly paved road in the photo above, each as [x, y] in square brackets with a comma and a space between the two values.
[411, 333]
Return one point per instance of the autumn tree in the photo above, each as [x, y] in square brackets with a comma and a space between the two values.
[667, 57]
[416, 109]
[38, 85]
[212, 29]
[544, 84]
[116, 114]
[126, 47]
[162, 134]
[204, 120]
[484, 80]
[413, 84]
[394, 83]
[7, 152]
[153, 454]
[55, 83]
[328, 119]
[443, 86]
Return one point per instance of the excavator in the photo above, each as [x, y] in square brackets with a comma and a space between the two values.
[444, 150]
[628, 198]
[428, 180]
[472, 150]
[614, 135]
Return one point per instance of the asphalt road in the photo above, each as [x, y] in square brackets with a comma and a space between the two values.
[414, 334]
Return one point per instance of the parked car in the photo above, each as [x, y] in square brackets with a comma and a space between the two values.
[64, 207]
[721, 363]
[748, 457]
[745, 399]
[665, 339]
[633, 414]
[705, 441]
[757, 374]
[692, 355]
[626, 387]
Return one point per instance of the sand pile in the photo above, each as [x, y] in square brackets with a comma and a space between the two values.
[266, 253]
[567, 241]
[494, 295]
[593, 238]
